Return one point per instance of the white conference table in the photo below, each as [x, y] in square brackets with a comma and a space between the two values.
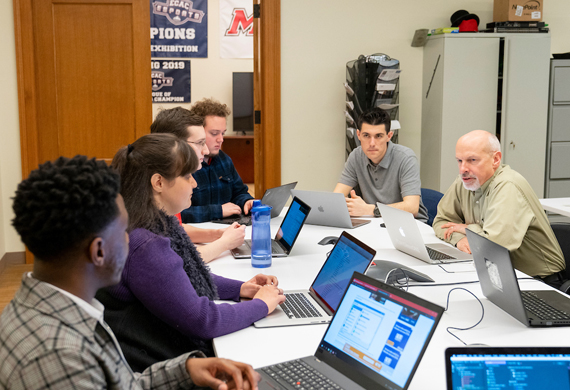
[261, 347]
[557, 205]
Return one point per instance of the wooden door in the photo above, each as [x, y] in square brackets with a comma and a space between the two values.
[84, 83]
[83, 77]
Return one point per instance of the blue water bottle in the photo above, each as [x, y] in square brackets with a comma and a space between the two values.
[260, 235]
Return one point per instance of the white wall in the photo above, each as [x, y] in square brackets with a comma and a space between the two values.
[319, 37]
[212, 76]
[10, 160]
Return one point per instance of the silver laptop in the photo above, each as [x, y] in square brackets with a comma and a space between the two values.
[317, 305]
[499, 284]
[274, 197]
[406, 237]
[329, 209]
[507, 367]
[375, 341]
[286, 236]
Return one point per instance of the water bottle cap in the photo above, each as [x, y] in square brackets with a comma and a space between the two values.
[259, 207]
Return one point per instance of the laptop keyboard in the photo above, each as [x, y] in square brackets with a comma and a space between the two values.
[542, 309]
[437, 255]
[275, 247]
[296, 374]
[297, 305]
[241, 219]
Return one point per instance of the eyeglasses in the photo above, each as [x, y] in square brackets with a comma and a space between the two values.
[201, 144]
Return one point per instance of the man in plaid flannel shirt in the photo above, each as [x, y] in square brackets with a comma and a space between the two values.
[220, 191]
[71, 216]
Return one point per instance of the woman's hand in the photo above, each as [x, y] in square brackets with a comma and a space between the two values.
[251, 287]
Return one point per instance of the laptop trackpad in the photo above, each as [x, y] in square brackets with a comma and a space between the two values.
[451, 251]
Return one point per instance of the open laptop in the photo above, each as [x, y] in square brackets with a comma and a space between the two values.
[375, 341]
[507, 368]
[317, 304]
[406, 237]
[499, 284]
[274, 197]
[286, 236]
[329, 209]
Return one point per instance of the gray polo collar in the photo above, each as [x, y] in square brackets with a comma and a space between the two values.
[386, 160]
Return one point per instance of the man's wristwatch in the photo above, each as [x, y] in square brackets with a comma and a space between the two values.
[377, 211]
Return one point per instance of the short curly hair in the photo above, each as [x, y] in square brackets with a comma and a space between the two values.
[64, 203]
[210, 106]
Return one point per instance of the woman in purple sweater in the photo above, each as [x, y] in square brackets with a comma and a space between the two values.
[164, 304]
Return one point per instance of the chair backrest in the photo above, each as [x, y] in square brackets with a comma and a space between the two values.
[431, 199]
[562, 233]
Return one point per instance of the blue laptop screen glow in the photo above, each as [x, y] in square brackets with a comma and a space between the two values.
[345, 258]
[380, 334]
[506, 371]
[292, 223]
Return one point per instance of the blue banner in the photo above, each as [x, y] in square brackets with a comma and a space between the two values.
[170, 81]
[179, 28]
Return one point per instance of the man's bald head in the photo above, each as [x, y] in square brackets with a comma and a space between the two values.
[478, 155]
[486, 141]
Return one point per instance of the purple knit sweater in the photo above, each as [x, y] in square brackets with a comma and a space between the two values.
[154, 275]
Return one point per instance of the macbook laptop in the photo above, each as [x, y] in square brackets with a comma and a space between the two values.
[317, 304]
[499, 284]
[507, 368]
[406, 237]
[329, 209]
[375, 341]
[274, 197]
[286, 236]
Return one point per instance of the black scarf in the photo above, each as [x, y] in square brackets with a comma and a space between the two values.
[198, 272]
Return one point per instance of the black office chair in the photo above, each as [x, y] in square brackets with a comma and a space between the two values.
[431, 199]
[562, 233]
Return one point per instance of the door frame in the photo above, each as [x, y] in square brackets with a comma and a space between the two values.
[267, 94]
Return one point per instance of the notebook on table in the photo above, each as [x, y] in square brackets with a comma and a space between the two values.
[500, 285]
[507, 368]
[286, 236]
[274, 197]
[375, 341]
[406, 237]
[317, 304]
[329, 209]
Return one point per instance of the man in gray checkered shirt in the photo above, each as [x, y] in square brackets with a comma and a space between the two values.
[71, 216]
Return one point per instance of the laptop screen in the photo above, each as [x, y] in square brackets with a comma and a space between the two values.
[508, 368]
[379, 333]
[348, 255]
[292, 223]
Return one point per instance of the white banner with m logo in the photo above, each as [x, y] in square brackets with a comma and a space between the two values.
[236, 29]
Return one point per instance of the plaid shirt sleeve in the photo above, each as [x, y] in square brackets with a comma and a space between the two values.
[168, 374]
[76, 369]
[218, 183]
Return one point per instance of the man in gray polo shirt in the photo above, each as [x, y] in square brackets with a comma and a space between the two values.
[386, 172]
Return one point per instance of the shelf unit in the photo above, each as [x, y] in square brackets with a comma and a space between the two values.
[557, 177]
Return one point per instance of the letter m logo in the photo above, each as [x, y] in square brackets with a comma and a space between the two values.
[241, 23]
